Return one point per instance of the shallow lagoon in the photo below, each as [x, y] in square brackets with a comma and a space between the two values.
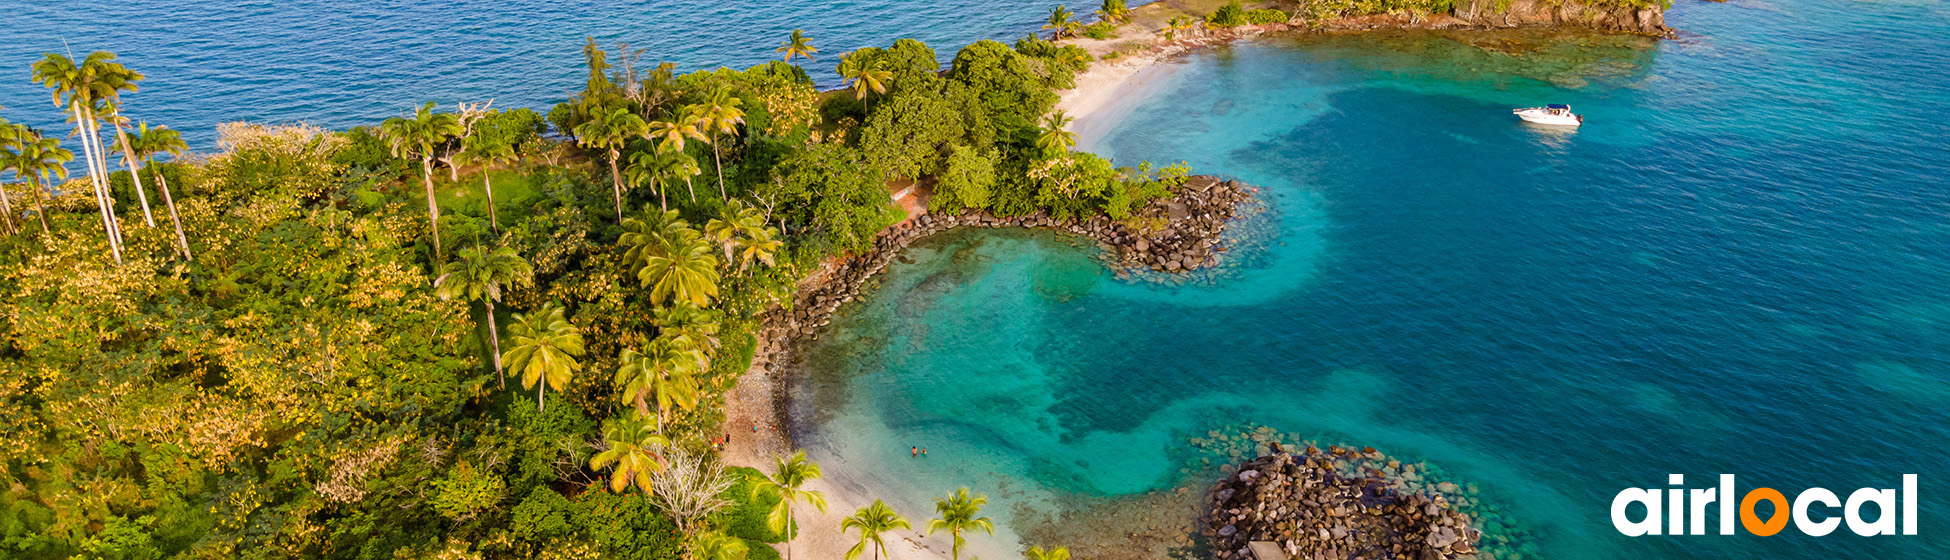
[1737, 266]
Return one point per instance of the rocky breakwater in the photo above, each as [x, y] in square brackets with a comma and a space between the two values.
[1342, 503]
[1176, 234]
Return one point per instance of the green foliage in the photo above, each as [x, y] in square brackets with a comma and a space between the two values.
[466, 492]
[910, 132]
[542, 516]
[626, 526]
[1100, 30]
[839, 197]
[1006, 86]
[910, 61]
[1266, 16]
[1230, 15]
[746, 518]
[965, 183]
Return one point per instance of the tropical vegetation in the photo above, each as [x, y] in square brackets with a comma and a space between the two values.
[312, 358]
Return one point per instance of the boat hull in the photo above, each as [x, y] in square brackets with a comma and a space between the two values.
[1540, 117]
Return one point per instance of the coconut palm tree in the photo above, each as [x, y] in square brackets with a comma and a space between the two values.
[959, 513]
[609, 130]
[1176, 25]
[658, 165]
[644, 237]
[786, 485]
[715, 545]
[720, 115]
[742, 232]
[82, 88]
[1058, 553]
[664, 373]
[545, 349]
[871, 522]
[681, 267]
[864, 73]
[478, 274]
[689, 328]
[488, 149]
[1061, 20]
[147, 144]
[634, 453]
[796, 47]
[1113, 11]
[1056, 138]
[419, 137]
[34, 161]
[687, 123]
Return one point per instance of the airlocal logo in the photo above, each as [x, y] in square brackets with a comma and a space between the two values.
[1678, 515]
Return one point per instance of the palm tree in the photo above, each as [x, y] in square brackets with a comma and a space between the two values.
[116, 119]
[796, 47]
[610, 130]
[1060, 19]
[680, 267]
[1056, 138]
[1058, 553]
[10, 137]
[85, 86]
[742, 232]
[418, 137]
[1175, 25]
[479, 275]
[633, 452]
[785, 485]
[664, 373]
[644, 237]
[1113, 11]
[545, 349]
[958, 514]
[656, 165]
[488, 149]
[721, 115]
[689, 329]
[864, 73]
[687, 123]
[33, 161]
[716, 545]
[147, 143]
[871, 521]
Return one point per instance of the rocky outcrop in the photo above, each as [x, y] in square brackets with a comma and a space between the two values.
[1171, 235]
[1519, 14]
[1341, 503]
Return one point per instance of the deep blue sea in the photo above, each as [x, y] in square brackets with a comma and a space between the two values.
[1738, 265]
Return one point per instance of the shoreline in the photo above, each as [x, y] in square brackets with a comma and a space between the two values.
[757, 409]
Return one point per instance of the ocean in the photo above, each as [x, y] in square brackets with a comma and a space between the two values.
[1737, 265]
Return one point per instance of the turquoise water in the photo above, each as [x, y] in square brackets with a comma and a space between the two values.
[340, 63]
[1737, 266]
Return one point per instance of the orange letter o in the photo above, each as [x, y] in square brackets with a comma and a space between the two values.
[1774, 524]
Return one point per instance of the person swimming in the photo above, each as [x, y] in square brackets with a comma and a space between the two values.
[913, 452]
[924, 452]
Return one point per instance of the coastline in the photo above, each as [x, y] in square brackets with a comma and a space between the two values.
[757, 409]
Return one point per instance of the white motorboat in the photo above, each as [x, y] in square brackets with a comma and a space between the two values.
[1552, 114]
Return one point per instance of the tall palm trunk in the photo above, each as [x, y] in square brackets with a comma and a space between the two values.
[128, 155]
[690, 187]
[433, 208]
[163, 185]
[102, 201]
[101, 163]
[494, 334]
[34, 182]
[720, 161]
[616, 182]
[7, 206]
[791, 528]
[540, 384]
[661, 201]
[487, 186]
